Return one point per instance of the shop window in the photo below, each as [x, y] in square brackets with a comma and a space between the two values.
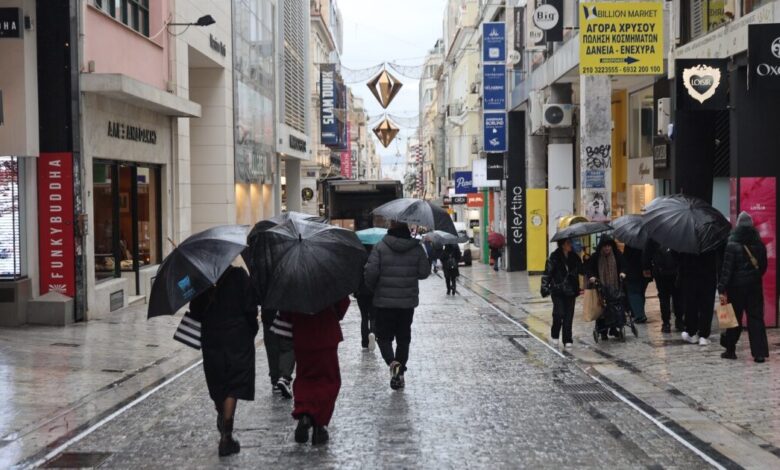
[641, 123]
[752, 5]
[10, 240]
[127, 218]
[133, 13]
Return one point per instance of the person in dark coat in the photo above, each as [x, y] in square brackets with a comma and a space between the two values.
[496, 254]
[699, 279]
[317, 383]
[431, 253]
[393, 273]
[744, 264]
[365, 300]
[228, 314]
[636, 283]
[664, 268]
[561, 281]
[608, 267]
[450, 259]
[279, 350]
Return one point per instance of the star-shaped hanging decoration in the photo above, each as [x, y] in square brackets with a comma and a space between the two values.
[384, 87]
[386, 131]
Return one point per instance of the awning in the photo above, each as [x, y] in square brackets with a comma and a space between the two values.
[123, 88]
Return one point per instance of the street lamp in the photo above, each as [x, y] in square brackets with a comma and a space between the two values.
[205, 20]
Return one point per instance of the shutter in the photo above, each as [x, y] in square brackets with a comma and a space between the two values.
[295, 19]
[698, 18]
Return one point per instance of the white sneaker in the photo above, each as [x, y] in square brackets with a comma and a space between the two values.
[371, 342]
[554, 342]
[568, 345]
[704, 341]
[690, 339]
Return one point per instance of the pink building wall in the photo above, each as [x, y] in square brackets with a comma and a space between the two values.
[116, 48]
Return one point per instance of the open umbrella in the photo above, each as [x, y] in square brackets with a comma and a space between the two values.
[194, 266]
[686, 224]
[630, 229]
[371, 236]
[496, 241]
[581, 229]
[417, 212]
[445, 238]
[311, 265]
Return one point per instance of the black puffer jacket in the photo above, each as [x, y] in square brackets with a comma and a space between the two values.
[737, 269]
[561, 275]
[394, 269]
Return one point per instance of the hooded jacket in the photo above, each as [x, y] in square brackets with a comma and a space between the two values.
[394, 269]
[592, 268]
[561, 274]
[738, 269]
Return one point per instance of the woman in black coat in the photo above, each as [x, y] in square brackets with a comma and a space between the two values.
[450, 259]
[561, 281]
[608, 267]
[228, 313]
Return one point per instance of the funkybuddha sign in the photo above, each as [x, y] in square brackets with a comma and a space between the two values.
[621, 38]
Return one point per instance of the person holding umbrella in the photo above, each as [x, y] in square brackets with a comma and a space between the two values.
[496, 242]
[561, 282]
[450, 259]
[393, 272]
[744, 264]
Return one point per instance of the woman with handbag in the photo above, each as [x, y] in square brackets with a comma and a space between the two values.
[561, 282]
[228, 312]
[744, 264]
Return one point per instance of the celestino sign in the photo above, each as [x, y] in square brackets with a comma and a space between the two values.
[702, 84]
[55, 223]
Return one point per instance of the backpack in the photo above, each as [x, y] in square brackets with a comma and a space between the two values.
[451, 264]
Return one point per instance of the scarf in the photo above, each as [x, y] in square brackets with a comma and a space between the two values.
[608, 270]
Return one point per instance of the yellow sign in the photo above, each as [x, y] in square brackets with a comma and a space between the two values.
[621, 38]
[536, 215]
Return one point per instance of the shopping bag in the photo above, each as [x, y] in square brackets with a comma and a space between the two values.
[726, 317]
[188, 332]
[592, 307]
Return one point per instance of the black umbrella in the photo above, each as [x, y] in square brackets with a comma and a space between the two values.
[310, 265]
[194, 266]
[417, 212]
[630, 229]
[445, 238]
[686, 224]
[581, 229]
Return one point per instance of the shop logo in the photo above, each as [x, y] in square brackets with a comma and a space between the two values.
[546, 17]
[590, 12]
[701, 81]
[776, 48]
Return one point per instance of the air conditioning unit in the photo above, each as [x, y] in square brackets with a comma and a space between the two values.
[664, 113]
[557, 115]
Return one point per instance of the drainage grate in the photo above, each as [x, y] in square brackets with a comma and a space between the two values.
[152, 345]
[78, 460]
[591, 397]
[582, 388]
[65, 345]
[112, 371]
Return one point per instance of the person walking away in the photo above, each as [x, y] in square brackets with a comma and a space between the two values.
[365, 300]
[317, 383]
[561, 282]
[699, 281]
[664, 268]
[496, 254]
[431, 253]
[636, 283]
[228, 313]
[450, 259]
[393, 272]
[744, 264]
[607, 267]
[277, 337]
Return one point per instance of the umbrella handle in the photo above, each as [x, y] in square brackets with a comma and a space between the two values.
[172, 242]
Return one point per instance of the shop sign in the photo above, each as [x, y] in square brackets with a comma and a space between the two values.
[55, 223]
[474, 223]
[660, 156]
[494, 87]
[493, 42]
[519, 15]
[464, 182]
[10, 23]
[549, 18]
[516, 203]
[495, 166]
[621, 38]
[120, 130]
[217, 45]
[494, 132]
[764, 56]
[475, 200]
[480, 174]
[702, 84]
[297, 144]
[329, 133]
[346, 155]
[458, 200]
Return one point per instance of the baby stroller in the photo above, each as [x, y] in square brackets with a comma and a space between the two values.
[615, 315]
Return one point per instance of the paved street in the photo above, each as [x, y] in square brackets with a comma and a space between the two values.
[480, 393]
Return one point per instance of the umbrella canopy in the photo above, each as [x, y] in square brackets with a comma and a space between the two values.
[445, 238]
[311, 265]
[686, 224]
[194, 266]
[630, 229]
[496, 241]
[417, 212]
[371, 236]
[580, 230]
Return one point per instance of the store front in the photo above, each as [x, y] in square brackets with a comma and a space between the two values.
[641, 187]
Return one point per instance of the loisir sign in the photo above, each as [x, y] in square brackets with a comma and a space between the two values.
[702, 84]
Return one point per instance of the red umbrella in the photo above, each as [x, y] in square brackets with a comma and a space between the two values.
[496, 240]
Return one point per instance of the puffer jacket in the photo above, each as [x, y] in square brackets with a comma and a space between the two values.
[394, 269]
[561, 275]
[737, 269]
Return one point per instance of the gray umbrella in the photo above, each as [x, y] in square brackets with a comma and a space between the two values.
[581, 229]
[630, 229]
[417, 212]
[445, 238]
[311, 265]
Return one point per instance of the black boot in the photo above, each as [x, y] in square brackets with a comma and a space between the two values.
[319, 436]
[666, 328]
[228, 445]
[219, 419]
[302, 431]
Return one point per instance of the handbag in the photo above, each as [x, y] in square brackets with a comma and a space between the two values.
[726, 317]
[188, 332]
[753, 259]
[592, 308]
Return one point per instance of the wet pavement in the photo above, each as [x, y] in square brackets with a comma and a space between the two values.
[481, 392]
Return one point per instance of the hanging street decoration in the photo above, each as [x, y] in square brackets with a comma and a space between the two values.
[384, 87]
[386, 131]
